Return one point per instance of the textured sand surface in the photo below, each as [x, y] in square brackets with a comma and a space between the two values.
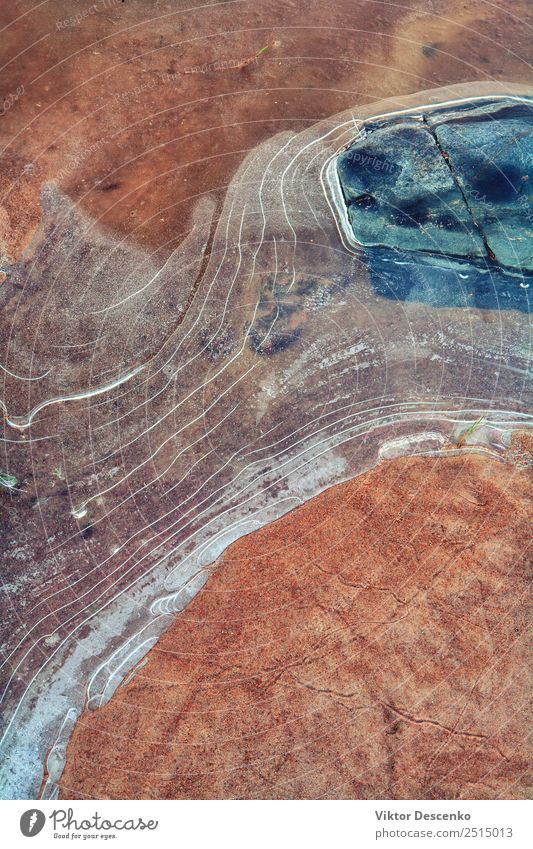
[129, 112]
[371, 644]
[140, 114]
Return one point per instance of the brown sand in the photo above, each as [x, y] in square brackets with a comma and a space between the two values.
[371, 644]
[109, 111]
[112, 112]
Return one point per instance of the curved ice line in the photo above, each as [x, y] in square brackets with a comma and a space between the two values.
[19, 377]
[154, 278]
[23, 422]
[113, 672]
[165, 557]
[245, 520]
[349, 430]
[453, 101]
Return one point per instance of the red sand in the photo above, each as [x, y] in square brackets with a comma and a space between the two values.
[371, 644]
[110, 111]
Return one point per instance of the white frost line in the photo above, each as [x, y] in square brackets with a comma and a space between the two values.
[19, 377]
[154, 278]
[351, 429]
[23, 422]
[313, 458]
[112, 673]
[335, 198]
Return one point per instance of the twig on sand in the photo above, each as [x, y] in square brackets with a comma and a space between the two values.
[8, 481]
[255, 57]
[469, 430]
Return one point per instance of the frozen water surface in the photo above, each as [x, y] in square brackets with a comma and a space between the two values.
[199, 398]
[442, 201]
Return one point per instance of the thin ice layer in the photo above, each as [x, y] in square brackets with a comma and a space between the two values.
[401, 193]
[491, 156]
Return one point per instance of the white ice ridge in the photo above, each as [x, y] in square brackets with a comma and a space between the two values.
[20, 377]
[272, 370]
[417, 443]
[23, 422]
